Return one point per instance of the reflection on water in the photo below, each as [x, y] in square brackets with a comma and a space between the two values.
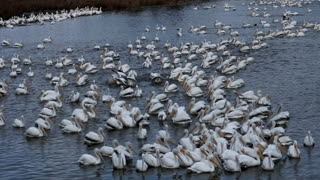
[288, 71]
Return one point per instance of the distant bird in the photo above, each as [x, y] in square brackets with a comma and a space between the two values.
[308, 140]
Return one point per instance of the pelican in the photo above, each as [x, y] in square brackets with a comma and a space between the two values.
[170, 88]
[35, 132]
[74, 97]
[82, 79]
[180, 116]
[69, 50]
[293, 150]
[142, 133]
[186, 141]
[22, 89]
[267, 163]
[118, 159]
[73, 70]
[40, 46]
[153, 160]
[308, 140]
[232, 165]
[126, 92]
[2, 119]
[18, 123]
[162, 116]
[113, 123]
[106, 151]
[30, 73]
[125, 117]
[27, 61]
[204, 166]
[141, 165]
[74, 127]
[94, 138]
[44, 123]
[170, 160]
[88, 159]
[47, 40]
[5, 43]
[81, 114]
[18, 45]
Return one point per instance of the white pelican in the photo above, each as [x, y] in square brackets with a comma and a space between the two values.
[142, 133]
[180, 116]
[18, 45]
[293, 150]
[88, 159]
[47, 40]
[18, 123]
[106, 151]
[44, 123]
[2, 119]
[73, 70]
[308, 140]
[274, 151]
[40, 46]
[118, 159]
[74, 127]
[94, 138]
[186, 141]
[27, 61]
[232, 165]
[74, 97]
[153, 160]
[162, 116]
[170, 88]
[35, 132]
[170, 160]
[126, 92]
[30, 73]
[69, 50]
[22, 89]
[267, 163]
[204, 166]
[5, 43]
[141, 165]
[164, 133]
[81, 79]
[113, 123]
[125, 117]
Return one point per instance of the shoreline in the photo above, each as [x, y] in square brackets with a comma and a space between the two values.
[9, 9]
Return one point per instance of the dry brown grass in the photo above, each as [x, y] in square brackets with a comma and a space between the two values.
[10, 8]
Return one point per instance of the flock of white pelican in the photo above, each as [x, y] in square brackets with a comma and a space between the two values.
[49, 17]
[224, 135]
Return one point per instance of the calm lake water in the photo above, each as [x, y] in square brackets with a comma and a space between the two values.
[288, 71]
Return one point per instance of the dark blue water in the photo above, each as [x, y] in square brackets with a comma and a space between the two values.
[288, 71]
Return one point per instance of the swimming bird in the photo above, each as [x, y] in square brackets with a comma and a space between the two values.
[308, 140]
[293, 150]
[141, 165]
[142, 132]
[88, 159]
[92, 138]
[47, 40]
[18, 123]
[35, 132]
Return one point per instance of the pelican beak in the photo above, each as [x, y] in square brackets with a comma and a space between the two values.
[211, 147]
[216, 161]
[171, 142]
[100, 155]
[133, 149]
[204, 152]
[43, 130]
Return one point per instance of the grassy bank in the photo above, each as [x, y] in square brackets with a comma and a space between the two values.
[9, 8]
